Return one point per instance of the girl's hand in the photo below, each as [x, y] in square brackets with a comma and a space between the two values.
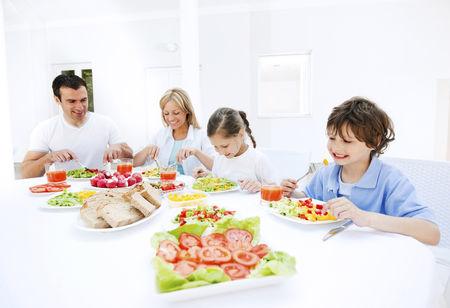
[152, 151]
[185, 153]
[250, 185]
[343, 208]
[199, 172]
[289, 186]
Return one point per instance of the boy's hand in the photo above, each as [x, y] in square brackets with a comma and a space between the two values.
[185, 153]
[199, 172]
[250, 185]
[289, 186]
[343, 208]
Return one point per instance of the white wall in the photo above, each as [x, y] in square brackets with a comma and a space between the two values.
[391, 52]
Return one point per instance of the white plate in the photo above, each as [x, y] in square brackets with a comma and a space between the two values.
[82, 226]
[45, 194]
[221, 191]
[223, 287]
[79, 179]
[299, 220]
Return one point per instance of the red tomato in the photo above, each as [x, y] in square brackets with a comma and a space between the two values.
[168, 250]
[54, 189]
[192, 254]
[260, 250]
[36, 189]
[245, 258]
[62, 185]
[215, 255]
[235, 270]
[238, 239]
[214, 239]
[185, 268]
[188, 240]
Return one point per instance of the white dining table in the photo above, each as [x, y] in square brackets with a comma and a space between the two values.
[46, 261]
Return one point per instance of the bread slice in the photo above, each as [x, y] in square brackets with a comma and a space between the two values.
[119, 213]
[151, 194]
[89, 216]
[140, 203]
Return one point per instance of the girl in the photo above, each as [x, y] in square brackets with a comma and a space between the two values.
[227, 131]
[359, 186]
[182, 131]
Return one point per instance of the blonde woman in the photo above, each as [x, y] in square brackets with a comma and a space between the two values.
[180, 136]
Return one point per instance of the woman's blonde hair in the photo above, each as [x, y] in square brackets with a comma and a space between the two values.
[180, 98]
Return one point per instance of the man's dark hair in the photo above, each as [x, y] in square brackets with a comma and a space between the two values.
[68, 81]
[369, 123]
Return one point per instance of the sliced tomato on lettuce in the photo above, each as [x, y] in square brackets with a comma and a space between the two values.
[235, 270]
[215, 255]
[168, 251]
[214, 239]
[188, 240]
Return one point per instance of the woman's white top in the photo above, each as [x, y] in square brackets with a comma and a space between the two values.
[252, 164]
[196, 138]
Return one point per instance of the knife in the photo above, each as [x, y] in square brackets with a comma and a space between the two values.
[336, 230]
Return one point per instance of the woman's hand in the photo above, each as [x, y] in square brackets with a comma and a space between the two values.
[185, 153]
[250, 185]
[289, 186]
[343, 208]
[200, 172]
[152, 151]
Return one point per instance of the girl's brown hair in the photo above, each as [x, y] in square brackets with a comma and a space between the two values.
[180, 98]
[369, 123]
[228, 122]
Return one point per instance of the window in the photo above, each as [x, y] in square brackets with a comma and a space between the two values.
[83, 70]
[284, 83]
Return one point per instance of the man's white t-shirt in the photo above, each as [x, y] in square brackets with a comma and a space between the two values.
[88, 142]
[252, 164]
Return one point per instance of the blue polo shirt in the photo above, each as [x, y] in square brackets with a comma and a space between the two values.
[382, 189]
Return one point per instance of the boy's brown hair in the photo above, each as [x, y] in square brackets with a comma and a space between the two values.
[369, 123]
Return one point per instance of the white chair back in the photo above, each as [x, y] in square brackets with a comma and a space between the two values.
[432, 182]
[288, 164]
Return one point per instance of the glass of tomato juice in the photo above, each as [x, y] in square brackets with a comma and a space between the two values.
[125, 165]
[55, 175]
[168, 174]
[271, 193]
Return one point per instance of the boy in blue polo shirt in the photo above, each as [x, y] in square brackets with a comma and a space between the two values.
[361, 187]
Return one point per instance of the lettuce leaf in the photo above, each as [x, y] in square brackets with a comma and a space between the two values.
[250, 224]
[275, 263]
[167, 280]
[194, 228]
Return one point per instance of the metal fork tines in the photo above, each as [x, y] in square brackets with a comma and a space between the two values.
[336, 230]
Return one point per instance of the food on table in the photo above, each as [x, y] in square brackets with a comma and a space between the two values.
[69, 199]
[168, 186]
[271, 192]
[177, 199]
[56, 176]
[114, 209]
[304, 209]
[209, 214]
[82, 173]
[212, 184]
[151, 173]
[49, 187]
[106, 179]
[188, 257]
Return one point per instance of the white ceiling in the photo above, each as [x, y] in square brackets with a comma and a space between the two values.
[54, 11]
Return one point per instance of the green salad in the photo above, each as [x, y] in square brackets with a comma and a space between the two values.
[182, 264]
[212, 184]
[82, 173]
[66, 199]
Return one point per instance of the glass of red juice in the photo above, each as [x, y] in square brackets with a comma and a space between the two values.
[271, 193]
[125, 165]
[168, 173]
[55, 175]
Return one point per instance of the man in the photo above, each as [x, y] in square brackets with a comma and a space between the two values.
[83, 137]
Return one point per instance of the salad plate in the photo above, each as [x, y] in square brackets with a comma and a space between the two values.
[66, 200]
[310, 210]
[81, 174]
[197, 260]
[214, 185]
